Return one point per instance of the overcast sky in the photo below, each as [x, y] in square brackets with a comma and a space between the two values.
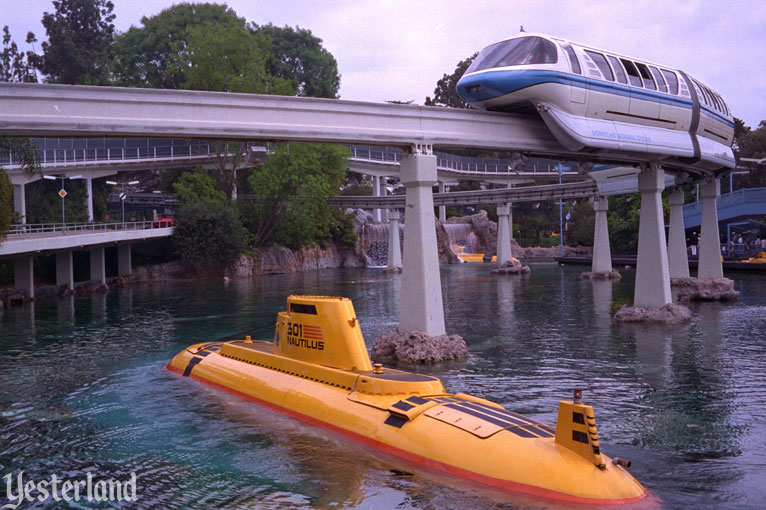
[398, 49]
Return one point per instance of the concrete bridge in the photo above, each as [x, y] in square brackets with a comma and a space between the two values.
[26, 241]
[55, 110]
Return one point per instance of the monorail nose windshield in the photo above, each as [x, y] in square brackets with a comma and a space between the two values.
[521, 51]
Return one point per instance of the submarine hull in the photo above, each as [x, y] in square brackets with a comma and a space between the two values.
[412, 417]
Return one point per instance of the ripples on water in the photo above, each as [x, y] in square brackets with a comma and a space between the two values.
[83, 389]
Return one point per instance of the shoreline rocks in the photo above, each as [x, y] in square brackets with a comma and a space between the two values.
[512, 267]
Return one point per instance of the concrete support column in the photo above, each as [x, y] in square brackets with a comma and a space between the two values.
[503, 235]
[20, 202]
[383, 193]
[64, 269]
[442, 208]
[602, 254]
[421, 307]
[124, 261]
[394, 246]
[89, 197]
[678, 260]
[510, 219]
[710, 265]
[25, 274]
[376, 192]
[652, 275]
[97, 264]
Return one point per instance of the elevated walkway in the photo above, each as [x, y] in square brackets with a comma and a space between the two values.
[47, 238]
[740, 204]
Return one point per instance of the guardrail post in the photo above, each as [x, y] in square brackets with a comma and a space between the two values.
[421, 307]
[678, 260]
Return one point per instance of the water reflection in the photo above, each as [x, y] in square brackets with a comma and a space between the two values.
[82, 387]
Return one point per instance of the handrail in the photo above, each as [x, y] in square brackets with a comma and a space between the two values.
[37, 228]
[188, 151]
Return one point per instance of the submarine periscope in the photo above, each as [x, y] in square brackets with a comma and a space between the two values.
[316, 369]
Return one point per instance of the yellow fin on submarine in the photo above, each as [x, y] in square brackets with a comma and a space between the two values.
[317, 370]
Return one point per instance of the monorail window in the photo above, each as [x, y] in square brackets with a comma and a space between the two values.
[701, 93]
[714, 97]
[658, 78]
[617, 69]
[516, 52]
[672, 80]
[633, 75]
[572, 58]
[647, 76]
[725, 106]
[603, 66]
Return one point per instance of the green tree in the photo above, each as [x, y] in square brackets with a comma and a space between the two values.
[297, 56]
[208, 236]
[79, 46]
[581, 225]
[197, 187]
[445, 93]
[17, 66]
[6, 201]
[226, 57]
[292, 188]
[158, 54]
[750, 143]
[622, 218]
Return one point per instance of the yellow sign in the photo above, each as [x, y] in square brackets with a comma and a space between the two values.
[62, 193]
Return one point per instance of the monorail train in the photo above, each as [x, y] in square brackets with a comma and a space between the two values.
[594, 99]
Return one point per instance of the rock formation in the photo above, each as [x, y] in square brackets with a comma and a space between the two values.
[417, 347]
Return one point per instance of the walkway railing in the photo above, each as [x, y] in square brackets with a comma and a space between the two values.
[174, 150]
[39, 228]
[735, 197]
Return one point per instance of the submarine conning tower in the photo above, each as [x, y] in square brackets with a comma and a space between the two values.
[322, 330]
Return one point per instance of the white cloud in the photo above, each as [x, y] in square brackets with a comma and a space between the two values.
[398, 49]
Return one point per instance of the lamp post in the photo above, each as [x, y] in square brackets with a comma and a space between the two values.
[62, 192]
[122, 193]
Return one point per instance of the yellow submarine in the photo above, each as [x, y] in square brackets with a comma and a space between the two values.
[317, 370]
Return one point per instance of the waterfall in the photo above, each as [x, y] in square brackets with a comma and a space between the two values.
[375, 244]
[461, 238]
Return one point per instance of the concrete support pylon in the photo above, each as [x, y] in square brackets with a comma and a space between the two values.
[383, 193]
[89, 197]
[602, 254]
[503, 235]
[376, 192]
[25, 274]
[394, 246]
[510, 219]
[124, 262]
[421, 307]
[710, 265]
[678, 260]
[442, 208]
[97, 264]
[652, 275]
[20, 202]
[64, 269]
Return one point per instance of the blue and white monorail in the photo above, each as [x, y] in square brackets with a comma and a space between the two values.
[594, 99]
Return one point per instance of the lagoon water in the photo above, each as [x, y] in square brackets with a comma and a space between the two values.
[83, 390]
